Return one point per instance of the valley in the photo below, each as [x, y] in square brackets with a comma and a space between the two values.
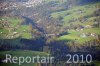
[55, 27]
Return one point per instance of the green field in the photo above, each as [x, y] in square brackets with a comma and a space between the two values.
[72, 16]
[20, 53]
[14, 24]
[75, 35]
[74, 13]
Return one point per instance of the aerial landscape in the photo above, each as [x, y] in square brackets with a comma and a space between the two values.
[68, 30]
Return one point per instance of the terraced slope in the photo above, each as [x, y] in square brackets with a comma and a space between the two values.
[11, 27]
[79, 22]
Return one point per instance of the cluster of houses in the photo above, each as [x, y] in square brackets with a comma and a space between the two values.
[87, 35]
[29, 3]
[6, 5]
[4, 24]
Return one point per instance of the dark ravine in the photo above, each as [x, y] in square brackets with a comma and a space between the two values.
[31, 21]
